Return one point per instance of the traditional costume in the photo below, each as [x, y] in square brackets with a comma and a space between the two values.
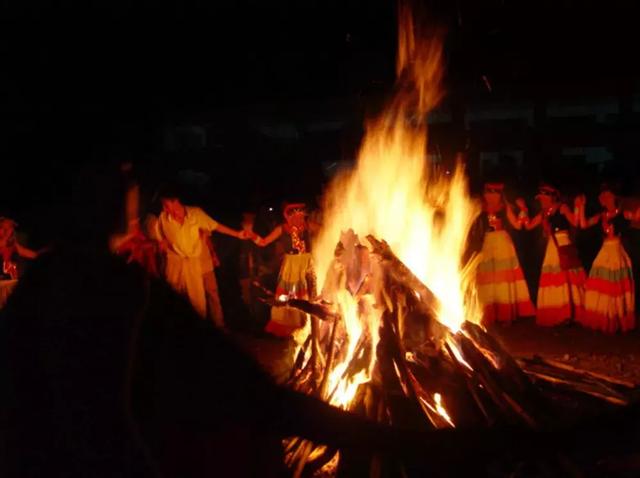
[561, 287]
[609, 290]
[502, 289]
[297, 278]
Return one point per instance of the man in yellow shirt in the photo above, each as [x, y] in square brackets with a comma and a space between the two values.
[189, 268]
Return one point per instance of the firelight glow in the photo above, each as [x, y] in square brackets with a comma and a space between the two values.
[395, 194]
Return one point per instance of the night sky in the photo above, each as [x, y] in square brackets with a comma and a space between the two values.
[95, 80]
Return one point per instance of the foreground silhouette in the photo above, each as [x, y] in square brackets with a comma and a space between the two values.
[106, 372]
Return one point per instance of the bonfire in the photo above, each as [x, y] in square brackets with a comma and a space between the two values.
[394, 334]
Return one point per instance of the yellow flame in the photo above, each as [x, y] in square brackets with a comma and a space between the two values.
[356, 324]
[395, 194]
[441, 410]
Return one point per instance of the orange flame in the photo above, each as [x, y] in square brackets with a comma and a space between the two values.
[395, 194]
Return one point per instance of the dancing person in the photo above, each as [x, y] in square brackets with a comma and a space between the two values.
[297, 277]
[561, 286]
[134, 244]
[11, 250]
[502, 289]
[189, 267]
[609, 299]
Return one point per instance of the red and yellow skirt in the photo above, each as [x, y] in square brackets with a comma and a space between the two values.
[502, 289]
[560, 292]
[296, 281]
[609, 291]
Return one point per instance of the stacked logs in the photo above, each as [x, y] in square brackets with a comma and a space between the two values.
[425, 376]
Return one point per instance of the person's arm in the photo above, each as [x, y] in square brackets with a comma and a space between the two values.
[571, 216]
[25, 252]
[273, 235]
[222, 229]
[163, 244]
[533, 223]
[580, 203]
[514, 220]
[208, 224]
[522, 219]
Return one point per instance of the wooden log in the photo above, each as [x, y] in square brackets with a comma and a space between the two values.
[328, 367]
[321, 311]
[577, 385]
[597, 375]
[495, 387]
[583, 388]
[571, 376]
[472, 386]
[401, 274]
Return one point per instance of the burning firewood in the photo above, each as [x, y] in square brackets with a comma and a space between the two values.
[392, 337]
[462, 379]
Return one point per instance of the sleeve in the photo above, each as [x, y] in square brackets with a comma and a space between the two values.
[205, 222]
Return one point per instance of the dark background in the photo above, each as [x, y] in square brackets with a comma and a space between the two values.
[262, 97]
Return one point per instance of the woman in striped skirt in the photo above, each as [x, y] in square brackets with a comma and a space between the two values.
[560, 291]
[502, 289]
[609, 290]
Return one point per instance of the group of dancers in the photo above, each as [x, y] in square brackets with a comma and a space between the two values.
[180, 236]
[603, 300]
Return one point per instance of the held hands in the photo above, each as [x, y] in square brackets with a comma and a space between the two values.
[522, 205]
[247, 235]
[523, 215]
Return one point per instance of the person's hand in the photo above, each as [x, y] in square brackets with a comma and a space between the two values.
[522, 205]
[580, 201]
[257, 240]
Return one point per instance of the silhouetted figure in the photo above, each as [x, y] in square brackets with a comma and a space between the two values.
[106, 371]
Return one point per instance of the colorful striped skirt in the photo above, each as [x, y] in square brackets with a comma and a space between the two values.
[502, 289]
[560, 292]
[296, 281]
[609, 291]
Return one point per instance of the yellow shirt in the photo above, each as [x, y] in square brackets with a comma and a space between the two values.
[185, 238]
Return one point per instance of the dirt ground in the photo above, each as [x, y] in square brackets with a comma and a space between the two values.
[614, 355]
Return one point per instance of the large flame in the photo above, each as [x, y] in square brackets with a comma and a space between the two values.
[394, 193]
